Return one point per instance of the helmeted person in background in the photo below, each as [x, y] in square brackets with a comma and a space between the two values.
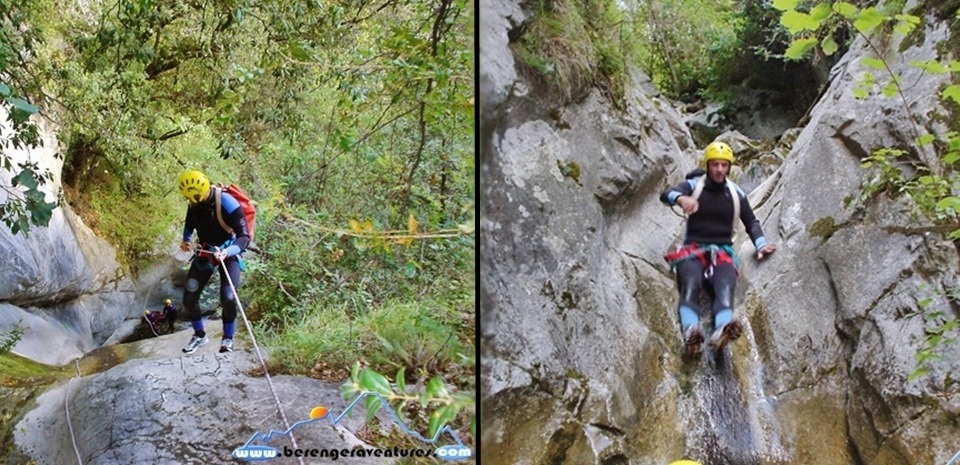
[217, 246]
[707, 254]
[169, 314]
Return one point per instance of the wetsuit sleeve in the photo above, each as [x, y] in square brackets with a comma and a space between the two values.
[751, 223]
[188, 228]
[233, 216]
[669, 197]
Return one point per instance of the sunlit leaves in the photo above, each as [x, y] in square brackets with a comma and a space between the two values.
[906, 23]
[820, 12]
[829, 45]
[868, 20]
[797, 22]
[847, 10]
[873, 63]
[929, 66]
[785, 5]
[800, 47]
[953, 93]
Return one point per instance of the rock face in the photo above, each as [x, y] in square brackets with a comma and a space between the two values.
[579, 339]
[62, 283]
[172, 408]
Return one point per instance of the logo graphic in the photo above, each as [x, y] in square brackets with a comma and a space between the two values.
[253, 452]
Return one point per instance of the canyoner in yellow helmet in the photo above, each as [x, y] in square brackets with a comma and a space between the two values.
[713, 204]
[219, 220]
[194, 186]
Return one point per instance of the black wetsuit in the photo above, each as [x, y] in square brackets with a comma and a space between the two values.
[711, 225]
[202, 218]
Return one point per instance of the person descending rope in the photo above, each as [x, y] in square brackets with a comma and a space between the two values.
[712, 204]
[217, 246]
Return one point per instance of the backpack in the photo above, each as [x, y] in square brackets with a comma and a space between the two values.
[248, 211]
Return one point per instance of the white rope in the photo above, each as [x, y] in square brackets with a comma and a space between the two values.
[263, 364]
[954, 459]
[66, 406]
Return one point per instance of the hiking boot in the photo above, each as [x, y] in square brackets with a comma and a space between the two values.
[693, 341]
[194, 344]
[726, 333]
[226, 345]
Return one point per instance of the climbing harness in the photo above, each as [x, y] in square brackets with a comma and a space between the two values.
[709, 256]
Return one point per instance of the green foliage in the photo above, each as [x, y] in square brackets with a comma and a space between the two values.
[574, 45]
[11, 337]
[932, 180]
[939, 330]
[446, 405]
[682, 45]
[323, 112]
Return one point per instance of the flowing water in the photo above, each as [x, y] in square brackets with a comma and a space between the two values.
[728, 417]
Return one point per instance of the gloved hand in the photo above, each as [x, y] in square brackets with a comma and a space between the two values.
[219, 254]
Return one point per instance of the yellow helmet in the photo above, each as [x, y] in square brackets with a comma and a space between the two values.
[168, 301]
[684, 462]
[194, 186]
[717, 151]
[146, 312]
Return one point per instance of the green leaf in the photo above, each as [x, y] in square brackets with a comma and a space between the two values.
[401, 381]
[372, 381]
[920, 371]
[440, 417]
[949, 325]
[41, 213]
[874, 63]
[436, 388]
[355, 371]
[22, 105]
[829, 45]
[952, 92]
[372, 404]
[410, 269]
[784, 5]
[926, 139]
[797, 22]
[847, 10]
[868, 20]
[953, 235]
[821, 11]
[860, 93]
[890, 89]
[906, 23]
[800, 47]
[951, 202]
[951, 157]
[929, 66]
[26, 179]
[954, 65]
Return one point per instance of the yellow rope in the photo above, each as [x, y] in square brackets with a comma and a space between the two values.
[394, 234]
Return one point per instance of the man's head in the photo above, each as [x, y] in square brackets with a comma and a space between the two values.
[718, 157]
[194, 186]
